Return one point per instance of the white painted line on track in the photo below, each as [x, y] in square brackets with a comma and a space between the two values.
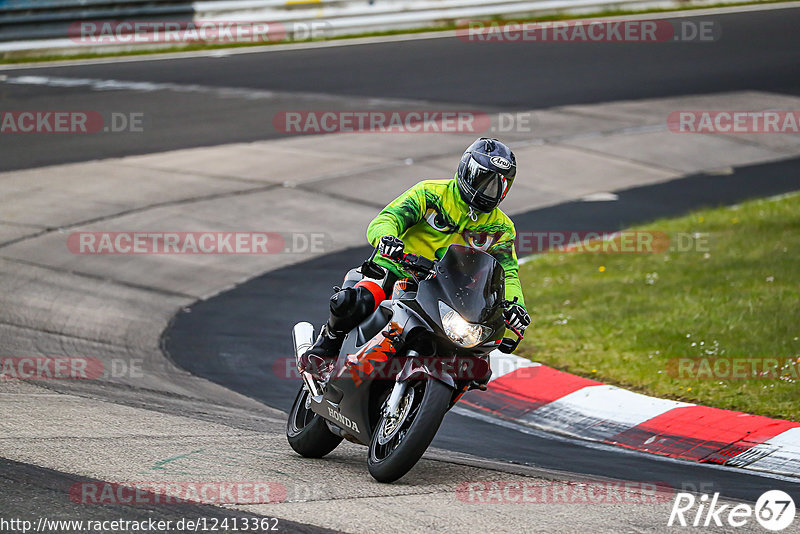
[96, 84]
[600, 197]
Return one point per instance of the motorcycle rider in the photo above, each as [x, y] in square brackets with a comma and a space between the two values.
[425, 220]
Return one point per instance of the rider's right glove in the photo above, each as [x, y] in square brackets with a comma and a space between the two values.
[517, 318]
[391, 247]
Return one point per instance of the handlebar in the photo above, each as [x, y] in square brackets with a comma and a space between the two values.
[421, 265]
[416, 263]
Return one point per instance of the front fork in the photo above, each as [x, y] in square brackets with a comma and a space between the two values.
[411, 367]
[392, 407]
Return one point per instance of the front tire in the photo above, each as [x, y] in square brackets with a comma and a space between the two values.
[396, 448]
[306, 431]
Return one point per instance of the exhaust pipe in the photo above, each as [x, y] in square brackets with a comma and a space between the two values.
[303, 339]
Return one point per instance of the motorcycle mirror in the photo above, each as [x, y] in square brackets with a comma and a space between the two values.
[370, 269]
[508, 345]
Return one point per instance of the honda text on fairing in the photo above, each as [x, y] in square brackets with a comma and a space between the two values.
[407, 364]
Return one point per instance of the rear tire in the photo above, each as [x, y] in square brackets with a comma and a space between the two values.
[307, 432]
[389, 461]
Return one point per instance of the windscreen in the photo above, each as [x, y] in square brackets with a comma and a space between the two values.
[470, 281]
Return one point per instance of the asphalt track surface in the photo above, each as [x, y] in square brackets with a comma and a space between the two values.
[755, 50]
[240, 338]
[30, 492]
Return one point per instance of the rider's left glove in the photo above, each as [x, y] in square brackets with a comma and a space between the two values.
[391, 247]
[517, 318]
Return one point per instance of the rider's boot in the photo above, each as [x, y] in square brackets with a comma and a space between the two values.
[348, 307]
[323, 352]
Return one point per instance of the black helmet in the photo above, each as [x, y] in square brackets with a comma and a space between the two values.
[485, 174]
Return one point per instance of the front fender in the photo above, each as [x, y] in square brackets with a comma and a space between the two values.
[414, 367]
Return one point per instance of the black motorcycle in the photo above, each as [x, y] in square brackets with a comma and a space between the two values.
[407, 364]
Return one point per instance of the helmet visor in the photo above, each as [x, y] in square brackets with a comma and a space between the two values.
[486, 183]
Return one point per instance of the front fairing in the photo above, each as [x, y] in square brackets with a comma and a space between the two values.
[364, 372]
[469, 281]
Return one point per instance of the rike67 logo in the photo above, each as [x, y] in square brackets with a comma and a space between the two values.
[774, 510]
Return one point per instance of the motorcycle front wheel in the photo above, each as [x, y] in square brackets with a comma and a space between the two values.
[399, 443]
[306, 431]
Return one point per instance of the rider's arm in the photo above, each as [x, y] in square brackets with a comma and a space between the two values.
[505, 254]
[401, 214]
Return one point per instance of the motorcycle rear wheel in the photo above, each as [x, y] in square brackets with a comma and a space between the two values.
[391, 460]
[307, 432]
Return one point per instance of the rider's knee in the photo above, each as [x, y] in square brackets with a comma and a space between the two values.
[342, 302]
[352, 301]
[352, 277]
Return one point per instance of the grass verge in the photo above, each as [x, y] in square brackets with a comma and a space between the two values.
[666, 323]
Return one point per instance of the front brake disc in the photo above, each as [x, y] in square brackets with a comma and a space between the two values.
[390, 426]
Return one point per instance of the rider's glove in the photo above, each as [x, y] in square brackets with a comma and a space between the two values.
[391, 247]
[517, 318]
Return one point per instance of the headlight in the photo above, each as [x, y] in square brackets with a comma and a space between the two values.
[460, 331]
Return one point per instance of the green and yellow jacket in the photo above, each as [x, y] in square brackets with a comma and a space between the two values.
[431, 216]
